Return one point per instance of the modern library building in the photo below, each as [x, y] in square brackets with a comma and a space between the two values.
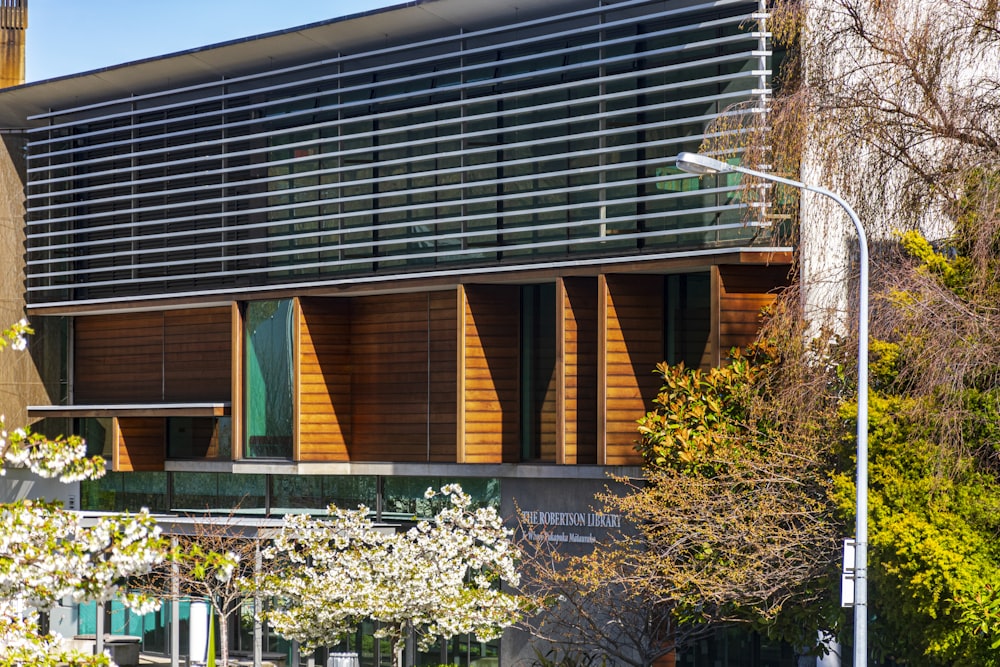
[439, 242]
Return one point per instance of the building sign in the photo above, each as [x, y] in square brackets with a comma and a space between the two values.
[547, 524]
[564, 511]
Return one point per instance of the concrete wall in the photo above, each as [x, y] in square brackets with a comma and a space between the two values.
[19, 380]
[22, 484]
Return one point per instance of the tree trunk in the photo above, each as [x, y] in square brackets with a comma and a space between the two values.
[224, 637]
[399, 645]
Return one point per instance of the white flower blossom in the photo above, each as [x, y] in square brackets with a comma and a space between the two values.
[440, 578]
[49, 555]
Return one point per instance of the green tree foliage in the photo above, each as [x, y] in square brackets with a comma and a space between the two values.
[935, 435]
[701, 417]
[732, 522]
[887, 103]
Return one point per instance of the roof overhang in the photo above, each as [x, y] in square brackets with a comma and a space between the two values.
[396, 25]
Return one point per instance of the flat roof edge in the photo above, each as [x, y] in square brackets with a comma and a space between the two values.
[132, 410]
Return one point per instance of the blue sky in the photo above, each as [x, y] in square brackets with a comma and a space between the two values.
[70, 36]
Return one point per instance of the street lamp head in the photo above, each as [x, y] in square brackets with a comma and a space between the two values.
[695, 163]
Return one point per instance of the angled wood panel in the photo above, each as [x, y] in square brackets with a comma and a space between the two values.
[197, 354]
[743, 292]
[389, 379]
[141, 444]
[171, 356]
[236, 362]
[490, 416]
[442, 378]
[632, 313]
[578, 359]
[324, 379]
[118, 358]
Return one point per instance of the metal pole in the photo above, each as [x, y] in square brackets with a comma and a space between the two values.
[175, 609]
[258, 627]
[861, 520]
[701, 164]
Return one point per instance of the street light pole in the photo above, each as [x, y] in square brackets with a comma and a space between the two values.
[695, 163]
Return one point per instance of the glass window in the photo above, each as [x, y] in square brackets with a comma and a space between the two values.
[538, 365]
[737, 647]
[199, 437]
[404, 496]
[320, 491]
[688, 326]
[268, 379]
[200, 491]
[120, 491]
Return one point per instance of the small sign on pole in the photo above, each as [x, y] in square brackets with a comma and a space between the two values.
[847, 574]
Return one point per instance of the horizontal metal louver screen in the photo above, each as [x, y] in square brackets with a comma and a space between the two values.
[541, 143]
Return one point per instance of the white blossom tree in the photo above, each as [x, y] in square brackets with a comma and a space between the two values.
[48, 554]
[439, 579]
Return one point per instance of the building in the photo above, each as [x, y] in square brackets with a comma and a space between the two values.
[344, 262]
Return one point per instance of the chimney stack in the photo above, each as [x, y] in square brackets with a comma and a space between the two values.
[13, 24]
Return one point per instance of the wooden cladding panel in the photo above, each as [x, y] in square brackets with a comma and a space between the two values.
[172, 356]
[490, 374]
[402, 380]
[580, 370]
[377, 378]
[141, 444]
[118, 358]
[237, 363]
[443, 328]
[197, 355]
[324, 379]
[744, 291]
[548, 419]
[389, 382]
[633, 321]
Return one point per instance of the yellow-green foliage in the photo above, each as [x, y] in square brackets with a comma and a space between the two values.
[933, 526]
[934, 508]
[883, 364]
[955, 273]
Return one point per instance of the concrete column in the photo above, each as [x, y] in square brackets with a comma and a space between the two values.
[99, 637]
